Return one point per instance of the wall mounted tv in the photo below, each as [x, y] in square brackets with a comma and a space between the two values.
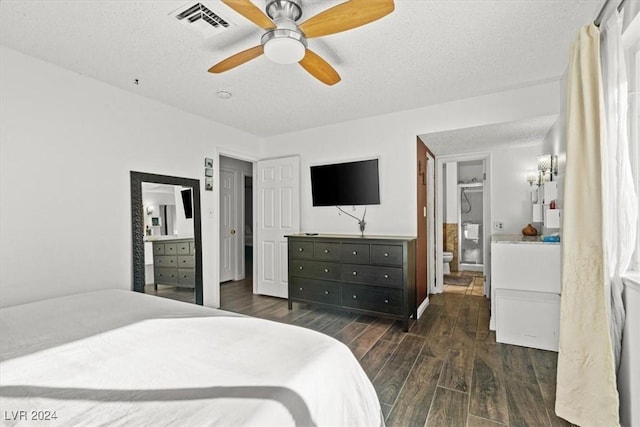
[187, 203]
[345, 184]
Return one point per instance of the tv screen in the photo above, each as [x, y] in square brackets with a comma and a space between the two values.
[353, 183]
[187, 203]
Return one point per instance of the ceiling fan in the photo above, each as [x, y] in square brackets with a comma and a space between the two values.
[285, 42]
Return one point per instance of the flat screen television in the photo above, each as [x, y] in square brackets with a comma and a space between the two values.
[187, 203]
[346, 184]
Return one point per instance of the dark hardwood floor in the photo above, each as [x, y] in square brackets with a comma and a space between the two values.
[447, 370]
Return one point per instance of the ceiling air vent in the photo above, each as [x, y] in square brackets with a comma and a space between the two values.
[201, 19]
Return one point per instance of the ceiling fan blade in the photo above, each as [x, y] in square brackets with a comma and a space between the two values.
[251, 12]
[319, 68]
[237, 59]
[345, 16]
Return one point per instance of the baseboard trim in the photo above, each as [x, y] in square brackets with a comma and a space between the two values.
[423, 307]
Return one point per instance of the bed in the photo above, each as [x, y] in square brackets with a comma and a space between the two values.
[115, 357]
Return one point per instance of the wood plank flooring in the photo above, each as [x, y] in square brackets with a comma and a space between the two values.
[447, 370]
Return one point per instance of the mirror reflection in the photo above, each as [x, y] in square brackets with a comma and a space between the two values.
[169, 243]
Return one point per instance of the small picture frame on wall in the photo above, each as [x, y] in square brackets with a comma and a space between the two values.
[208, 172]
[208, 184]
[208, 163]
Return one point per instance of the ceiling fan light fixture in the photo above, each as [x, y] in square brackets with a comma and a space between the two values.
[284, 46]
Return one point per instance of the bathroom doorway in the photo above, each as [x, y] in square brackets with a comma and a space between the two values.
[462, 218]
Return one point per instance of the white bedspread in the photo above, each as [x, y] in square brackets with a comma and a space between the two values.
[123, 358]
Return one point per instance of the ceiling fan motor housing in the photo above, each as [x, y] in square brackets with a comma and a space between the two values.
[284, 9]
[285, 44]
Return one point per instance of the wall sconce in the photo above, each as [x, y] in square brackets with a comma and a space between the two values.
[533, 177]
[149, 210]
[544, 162]
[548, 166]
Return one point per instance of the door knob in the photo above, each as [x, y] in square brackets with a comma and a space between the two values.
[232, 231]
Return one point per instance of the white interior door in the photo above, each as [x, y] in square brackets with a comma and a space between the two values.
[277, 185]
[228, 227]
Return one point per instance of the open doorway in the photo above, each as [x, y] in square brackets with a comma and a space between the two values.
[236, 222]
[462, 220]
[166, 236]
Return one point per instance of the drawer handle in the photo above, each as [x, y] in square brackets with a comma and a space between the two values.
[326, 251]
[355, 297]
[326, 292]
[326, 270]
[355, 252]
[184, 276]
[386, 254]
[386, 276]
[184, 260]
[355, 273]
[301, 268]
[300, 249]
[386, 301]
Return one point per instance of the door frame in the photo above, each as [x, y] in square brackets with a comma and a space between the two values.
[440, 161]
[137, 226]
[216, 208]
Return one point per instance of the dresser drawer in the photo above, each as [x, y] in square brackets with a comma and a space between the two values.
[186, 261]
[300, 250]
[371, 274]
[314, 269]
[183, 248]
[354, 253]
[187, 278]
[170, 248]
[314, 290]
[326, 251]
[165, 261]
[382, 300]
[192, 248]
[168, 276]
[386, 254]
[158, 249]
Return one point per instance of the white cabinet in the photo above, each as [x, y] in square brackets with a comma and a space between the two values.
[525, 295]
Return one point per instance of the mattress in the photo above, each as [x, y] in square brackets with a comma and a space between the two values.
[121, 358]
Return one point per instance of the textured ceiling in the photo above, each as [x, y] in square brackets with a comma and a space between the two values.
[485, 138]
[425, 52]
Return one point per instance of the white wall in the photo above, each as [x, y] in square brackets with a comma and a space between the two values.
[392, 138]
[451, 193]
[468, 171]
[67, 145]
[510, 191]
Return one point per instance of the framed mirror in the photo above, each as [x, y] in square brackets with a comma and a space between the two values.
[140, 226]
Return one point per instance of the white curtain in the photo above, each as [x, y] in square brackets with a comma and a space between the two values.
[621, 203]
[586, 382]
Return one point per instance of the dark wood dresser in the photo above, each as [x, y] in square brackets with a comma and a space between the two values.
[174, 263]
[370, 275]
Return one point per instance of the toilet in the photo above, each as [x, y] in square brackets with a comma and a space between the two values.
[447, 257]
